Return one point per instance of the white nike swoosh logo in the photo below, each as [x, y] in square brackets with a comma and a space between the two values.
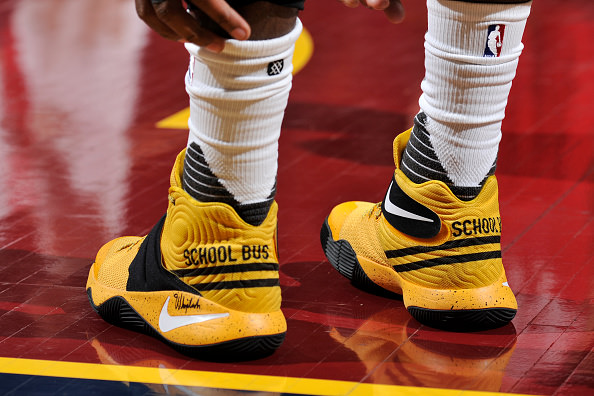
[168, 322]
[396, 211]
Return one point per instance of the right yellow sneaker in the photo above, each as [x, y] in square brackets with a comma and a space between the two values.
[442, 254]
[203, 281]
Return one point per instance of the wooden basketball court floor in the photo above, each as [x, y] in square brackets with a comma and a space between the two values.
[92, 114]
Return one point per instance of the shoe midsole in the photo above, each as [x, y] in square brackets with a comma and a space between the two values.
[496, 295]
[210, 323]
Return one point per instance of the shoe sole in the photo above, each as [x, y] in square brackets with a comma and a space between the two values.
[344, 259]
[120, 311]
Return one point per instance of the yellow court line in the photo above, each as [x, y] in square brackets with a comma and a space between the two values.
[216, 380]
[178, 120]
[303, 52]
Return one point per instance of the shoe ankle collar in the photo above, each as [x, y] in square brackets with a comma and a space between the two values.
[177, 171]
[399, 145]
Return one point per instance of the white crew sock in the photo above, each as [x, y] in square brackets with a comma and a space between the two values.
[466, 84]
[237, 103]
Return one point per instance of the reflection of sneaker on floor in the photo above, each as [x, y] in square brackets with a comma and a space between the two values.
[203, 281]
[163, 373]
[441, 253]
[394, 353]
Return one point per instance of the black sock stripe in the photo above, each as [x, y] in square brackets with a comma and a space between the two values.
[419, 160]
[199, 172]
[425, 155]
[418, 168]
[194, 150]
[202, 184]
[448, 245]
[240, 284]
[465, 193]
[211, 184]
[210, 196]
[412, 175]
[199, 166]
[422, 172]
[200, 181]
[421, 118]
[226, 269]
[203, 173]
[448, 260]
[422, 147]
[255, 209]
[425, 168]
[421, 139]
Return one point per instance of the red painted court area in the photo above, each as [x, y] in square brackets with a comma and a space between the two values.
[83, 85]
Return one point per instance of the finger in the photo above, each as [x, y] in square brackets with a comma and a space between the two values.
[174, 16]
[227, 18]
[146, 12]
[395, 11]
[378, 4]
[350, 3]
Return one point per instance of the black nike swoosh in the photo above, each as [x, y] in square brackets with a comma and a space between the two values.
[407, 215]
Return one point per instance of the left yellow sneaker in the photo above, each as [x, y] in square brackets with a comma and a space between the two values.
[203, 281]
[442, 254]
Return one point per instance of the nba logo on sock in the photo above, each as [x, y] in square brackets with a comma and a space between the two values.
[494, 40]
[191, 69]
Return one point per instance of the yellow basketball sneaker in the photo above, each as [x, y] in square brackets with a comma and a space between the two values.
[442, 254]
[203, 281]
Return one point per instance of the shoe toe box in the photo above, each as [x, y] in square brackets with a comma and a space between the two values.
[113, 259]
[341, 213]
